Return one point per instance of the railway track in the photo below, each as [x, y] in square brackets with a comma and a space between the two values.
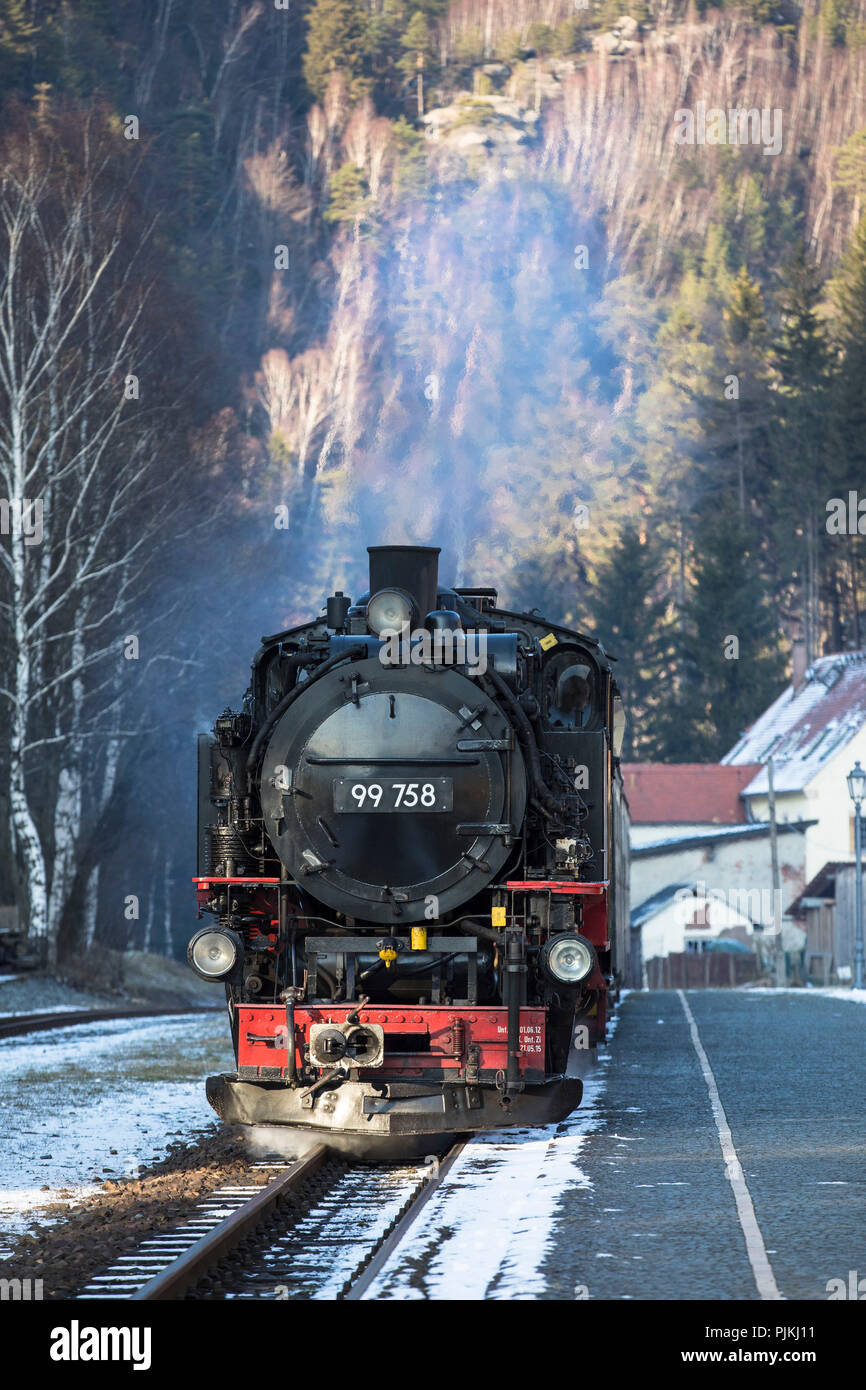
[321, 1229]
[19, 1024]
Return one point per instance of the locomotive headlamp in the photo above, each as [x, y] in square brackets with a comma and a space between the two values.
[567, 959]
[214, 952]
[390, 608]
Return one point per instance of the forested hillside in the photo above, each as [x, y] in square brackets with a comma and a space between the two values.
[283, 280]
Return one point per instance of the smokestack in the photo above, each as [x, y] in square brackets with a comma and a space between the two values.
[414, 568]
[798, 661]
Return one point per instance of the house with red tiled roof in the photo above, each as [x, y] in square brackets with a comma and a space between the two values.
[708, 825]
[691, 822]
[665, 798]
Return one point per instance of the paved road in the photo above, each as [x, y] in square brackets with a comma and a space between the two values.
[660, 1218]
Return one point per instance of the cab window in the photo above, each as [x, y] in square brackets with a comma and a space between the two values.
[572, 692]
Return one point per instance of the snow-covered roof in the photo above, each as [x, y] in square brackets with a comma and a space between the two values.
[822, 886]
[652, 906]
[687, 839]
[802, 731]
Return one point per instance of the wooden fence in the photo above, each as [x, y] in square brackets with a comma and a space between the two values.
[701, 970]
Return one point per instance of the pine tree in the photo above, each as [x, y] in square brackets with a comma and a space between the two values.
[410, 159]
[349, 195]
[851, 169]
[629, 618]
[418, 62]
[19, 34]
[737, 411]
[804, 445]
[726, 645]
[848, 289]
[335, 42]
[849, 404]
[735, 660]
[417, 39]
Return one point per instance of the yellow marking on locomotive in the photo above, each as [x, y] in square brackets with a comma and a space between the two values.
[419, 938]
[547, 642]
[497, 917]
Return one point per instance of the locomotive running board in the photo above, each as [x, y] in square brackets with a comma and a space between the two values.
[556, 885]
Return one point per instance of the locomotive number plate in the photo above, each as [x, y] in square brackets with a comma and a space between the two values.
[386, 794]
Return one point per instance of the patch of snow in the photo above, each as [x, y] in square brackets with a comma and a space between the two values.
[854, 996]
[488, 1229]
[49, 1009]
[18, 1208]
[100, 1100]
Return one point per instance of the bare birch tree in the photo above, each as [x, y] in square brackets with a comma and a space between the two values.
[86, 504]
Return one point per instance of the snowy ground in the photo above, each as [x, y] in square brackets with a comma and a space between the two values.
[142, 978]
[82, 1104]
[34, 994]
[487, 1232]
[519, 1207]
[854, 996]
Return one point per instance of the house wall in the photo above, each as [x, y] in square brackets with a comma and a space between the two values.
[739, 865]
[669, 930]
[826, 801]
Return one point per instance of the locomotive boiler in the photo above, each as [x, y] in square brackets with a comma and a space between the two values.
[411, 852]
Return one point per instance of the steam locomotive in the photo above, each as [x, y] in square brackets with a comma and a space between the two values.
[412, 848]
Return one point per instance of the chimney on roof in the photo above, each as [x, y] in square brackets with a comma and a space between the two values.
[798, 663]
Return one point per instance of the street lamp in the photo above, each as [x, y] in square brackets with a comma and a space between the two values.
[857, 791]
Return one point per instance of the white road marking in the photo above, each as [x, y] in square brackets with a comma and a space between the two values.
[755, 1248]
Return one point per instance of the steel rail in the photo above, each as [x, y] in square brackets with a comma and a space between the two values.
[360, 1285]
[175, 1281]
[178, 1277]
[18, 1024]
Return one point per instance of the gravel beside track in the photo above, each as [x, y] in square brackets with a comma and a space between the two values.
[75, 1245]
